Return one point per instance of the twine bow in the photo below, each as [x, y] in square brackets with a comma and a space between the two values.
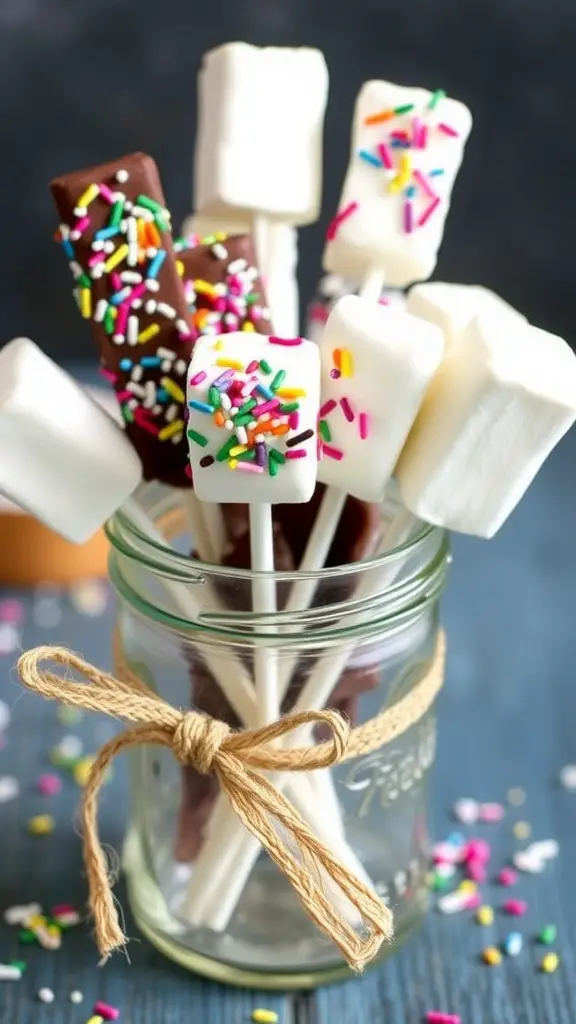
[238, 759]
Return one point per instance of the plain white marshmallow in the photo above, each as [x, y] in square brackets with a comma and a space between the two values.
[61, 457]
[260, 127]
[453, 306]
[377, 363]
[374, 235]
[502, 399]
[230, 362]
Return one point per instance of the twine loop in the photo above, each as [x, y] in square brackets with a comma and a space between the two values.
[241, 761]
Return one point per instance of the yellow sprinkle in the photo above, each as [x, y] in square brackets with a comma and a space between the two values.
[522, 830]
[180, 267]
[95, 1020]
[218, 345]
[232, 463]
[36, 921]
[402, 179]
[248, 326]
[238, 450]
[88, 196]
[231, 364]
[264, 1016]
[346, 363]
[291, 393]
[204, 287]
[41, 825]
[116, 258]
[485, 916]
[86, 303]
[82, 770]
[468, 886]
[550, 963]
[516, 796]
[171, 430]
[173, 389]
[148, 333]
[492, 956]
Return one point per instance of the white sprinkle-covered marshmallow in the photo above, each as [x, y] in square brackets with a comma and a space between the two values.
[407, 146]
[253, 409]
[377, 363]
[501, 401]
[453, 306]
[63, 458]
[260, 124]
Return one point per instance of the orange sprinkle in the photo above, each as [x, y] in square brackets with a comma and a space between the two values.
[231, 364]
[199, 318]
[219, 419]
[337, 355]
[141, 224]
[153, 235]
[283, 428]
[383, 115]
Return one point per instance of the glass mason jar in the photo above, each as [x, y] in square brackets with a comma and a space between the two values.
[187, 629]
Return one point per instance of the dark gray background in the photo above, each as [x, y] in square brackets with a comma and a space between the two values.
[87, 80]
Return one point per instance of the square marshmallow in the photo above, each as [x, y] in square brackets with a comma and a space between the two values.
[62, 457]
[502, 399]
[253, 410]
[377, 363]
[453, 306]
[260, 126]
[398, 220]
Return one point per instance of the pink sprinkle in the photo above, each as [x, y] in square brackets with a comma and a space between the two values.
[121, 318]
[327, 408]
[12, 611]
[400, 136]
[80, 225]
[49, 784]
[517, 908]
[347, 409]
[124, 396]
[448, 129]
[416, 132]
[318, 312]
[142, 420]
[63, 908]
[107, 374]
[479, 850]
[333, 453]
[96, 258]
[424, 136]
[106, 194]
[408, 217]
[424, 184]
[385, 156]
[425, 217]
[116, 282]
[337, 220]
[507, 877]
[476, 871]
[106, 1011]
[136, 293]
[259, 410]
[296, 453]
[198, 377]
[384, 301]
[364, 425]
[289, 342]
[436, 1017]
[491, 813]
[294, 420]
[472, 901]
[249, 467]
[251, 368]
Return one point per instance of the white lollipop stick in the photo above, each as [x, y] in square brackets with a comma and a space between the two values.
[264, 603]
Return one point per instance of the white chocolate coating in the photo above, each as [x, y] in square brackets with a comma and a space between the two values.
[501, 401]
[260, 125]
[281, 446]
[61, 457]
[386, 361]
[375, 234]
[453, 306]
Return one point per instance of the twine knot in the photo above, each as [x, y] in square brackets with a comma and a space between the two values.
[197, 740]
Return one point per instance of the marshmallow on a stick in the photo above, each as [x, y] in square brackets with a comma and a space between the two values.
[453, 306]
[260, 125]
[502, 399]
[407, 146]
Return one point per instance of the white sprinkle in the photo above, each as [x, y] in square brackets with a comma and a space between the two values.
[180, 367]
[182, 326]
[225, 401]
[98, 246]
[157, 409]
[70, 746]
[21, 914]
[118, 339]
[76, 996]
[151, 252]
[219, 251]
[150, 398]
[132, 404]
[10, 973]
[75, 268]
[75, 235]
[242, 435]
[118, 196]
[165, 353]
[137, 304]
[548, 849]
[109, 247]
[64, 230]
[153, 285]
[133, 252]
[524, 860]
[567, 777]
[237, 266]
[140, 211]
[100, 311]
[122, 176]
[9, 638]
[150, 305]
[165, 310]
[135, 389]
[122, 225]
[80, 211]
[46, 995]
[97, 272]
[165, 365]
[466, 811]
[137, 372]
[251, 274]
[453, 902]
[132, 229]
[229, 424]
[130, 277]
[230, 318]
[89, 597]
[5, 716]
[172, 412]
[128, 206]
[259, 438]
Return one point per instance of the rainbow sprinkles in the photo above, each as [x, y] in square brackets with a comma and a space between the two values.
[253, 404]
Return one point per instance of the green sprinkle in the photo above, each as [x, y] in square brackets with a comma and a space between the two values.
[27, 938]
[548, 935]
[197, 438]
[116, 214]
[241, 421]
[161, 223]
[127, 414]
[277, 456]
[109, 321]
[225, 450]
[20, 965]
[273, 466]
[289, 407]
[214, 397]
[84, 281]
[252, 298]
[247, 456]
[277, 380]
[404, 109]
[325, 431]
[435, 98]
[149, 204]
[247, 406]
[264, 366]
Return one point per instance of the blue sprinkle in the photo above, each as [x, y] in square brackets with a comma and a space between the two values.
[513, 944]
[126, 364]
[148, 361]
[436, 172]
[106, 233]
[201, 406]
[456, 839]
[119, 297]
[68, 248]
[410, 192]
[263, 390]
[161, 396]
[154, 268]
[369, 158]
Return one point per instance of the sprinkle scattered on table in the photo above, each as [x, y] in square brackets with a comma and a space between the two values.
[41, 825]
[550, 963]
[262, 1016]
[46, 995]
[76, 996]
[567, 776]
[9, 788]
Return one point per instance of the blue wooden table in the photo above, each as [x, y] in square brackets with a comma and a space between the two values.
[506, 720]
